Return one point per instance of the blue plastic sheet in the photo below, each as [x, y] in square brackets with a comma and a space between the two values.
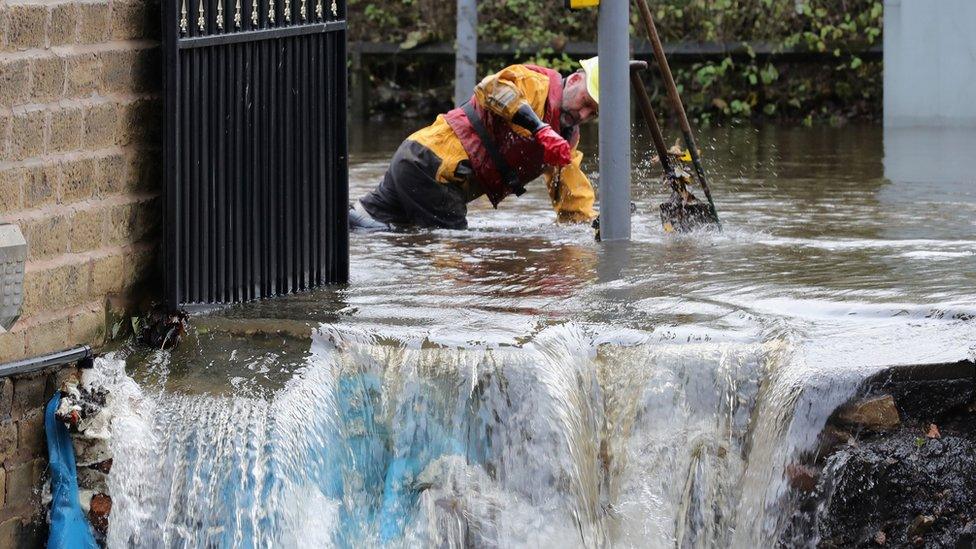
[69, 525]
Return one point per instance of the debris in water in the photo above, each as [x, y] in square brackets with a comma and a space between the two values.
[875, 414]
[933, 432]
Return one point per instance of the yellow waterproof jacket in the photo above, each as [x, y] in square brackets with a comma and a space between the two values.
[503, 93]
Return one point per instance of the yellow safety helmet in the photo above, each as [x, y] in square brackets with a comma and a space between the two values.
[591, 67]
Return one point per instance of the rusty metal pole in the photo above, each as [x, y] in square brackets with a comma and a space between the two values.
[662, 63]
[647, 111]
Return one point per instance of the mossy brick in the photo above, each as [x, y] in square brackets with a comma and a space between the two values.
[41, 184]
[46, 237]
[93, 22]
[20, 484]
[101, 122]
[47, 338]
[8, 439]
[111, 173]
[28, 394]
[12, 347]
[12, 189]
[47, 79]
[83, 75]
[133, 223]
[67, 129]
[10, 532]
[26, 26]
[88, 327]
[117, 70]
[108, 274]
[30, 432]
[14, 82]
[4, 18]
[64, 24]
[87, 230]
[56, 288]
[27, 134]
[3, 487]
[6, 396]
[78, 181]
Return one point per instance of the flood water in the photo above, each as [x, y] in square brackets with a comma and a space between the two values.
[518, 384]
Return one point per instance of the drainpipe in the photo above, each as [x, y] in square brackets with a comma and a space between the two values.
[466, 60]
[82, 355]
[613, 32]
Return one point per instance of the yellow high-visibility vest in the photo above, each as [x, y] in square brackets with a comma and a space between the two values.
[578, 4]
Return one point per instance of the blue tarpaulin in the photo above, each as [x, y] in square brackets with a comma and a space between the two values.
[69, 525]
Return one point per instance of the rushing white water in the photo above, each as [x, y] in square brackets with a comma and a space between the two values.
[516, 385]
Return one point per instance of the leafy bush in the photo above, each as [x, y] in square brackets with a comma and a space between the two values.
[826, 76]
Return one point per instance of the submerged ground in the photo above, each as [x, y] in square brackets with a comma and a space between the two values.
[520, 384]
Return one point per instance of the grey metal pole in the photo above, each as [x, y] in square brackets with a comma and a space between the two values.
[612, 45]
[466, 60]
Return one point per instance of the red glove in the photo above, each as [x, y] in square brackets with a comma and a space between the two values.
[557, 150]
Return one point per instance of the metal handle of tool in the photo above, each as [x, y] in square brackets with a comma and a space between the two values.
[662, 63]
[647, 111]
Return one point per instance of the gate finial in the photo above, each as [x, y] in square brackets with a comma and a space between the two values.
[184, 24]
[201, 21]
[220, 14]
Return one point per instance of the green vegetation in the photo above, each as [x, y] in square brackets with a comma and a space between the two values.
[813, 66]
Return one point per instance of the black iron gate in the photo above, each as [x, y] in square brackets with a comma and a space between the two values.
[255, 148]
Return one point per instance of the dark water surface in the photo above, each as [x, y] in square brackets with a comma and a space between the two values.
[518, 384]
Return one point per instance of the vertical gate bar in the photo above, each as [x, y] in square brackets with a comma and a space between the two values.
[258, 210]
[342, 183]
[225, 182]
[194, 143]
[289, 172]
[206, 184]
[172, 150]
[216, 141]
[306, 179]
[182, 184]
[238, 172]
[267, 71]
[328, 151]
[319, 214]
[274, 167]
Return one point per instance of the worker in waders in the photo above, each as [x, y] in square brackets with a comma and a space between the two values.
[521, 123]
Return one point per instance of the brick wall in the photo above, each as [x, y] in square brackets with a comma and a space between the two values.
[80, 131]
[23, 454]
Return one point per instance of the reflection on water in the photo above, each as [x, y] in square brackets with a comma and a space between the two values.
[518, 384]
